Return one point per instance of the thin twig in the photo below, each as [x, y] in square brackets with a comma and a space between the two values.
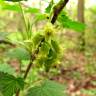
[33, 57]
[6, 42]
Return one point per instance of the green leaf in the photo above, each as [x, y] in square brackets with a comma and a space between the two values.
[66, 22]
[8, 6]
[19, 53]
[48, 64]
[50, 59]
[52, 54]
[48, 9]
[16, 7]
[55, 46]
[10, 84]
[32, 10]
[37, 39]
[45, 48]
[40, 16]
[4, 35]
[47, 88]
[6, 68]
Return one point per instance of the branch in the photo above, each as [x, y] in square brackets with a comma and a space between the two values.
[33, 57]
[57, 9]
[6, 42]
[56, 13]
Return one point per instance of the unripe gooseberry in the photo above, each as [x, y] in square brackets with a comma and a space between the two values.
[49, 30]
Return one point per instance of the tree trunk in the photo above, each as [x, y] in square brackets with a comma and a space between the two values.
[81, 19]
[81, 11]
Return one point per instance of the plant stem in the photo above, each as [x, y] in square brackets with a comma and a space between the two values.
[6, 42]
[57, 9]
[28, 69]
[53, 20]
[33, 57]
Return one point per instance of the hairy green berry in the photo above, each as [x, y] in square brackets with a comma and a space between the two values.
[49, 30]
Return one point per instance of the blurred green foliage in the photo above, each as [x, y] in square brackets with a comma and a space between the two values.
[27, 36]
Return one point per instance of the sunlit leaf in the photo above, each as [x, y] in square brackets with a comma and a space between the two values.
[11, 7]
[6, 68]
[66, 22]
[16, 7]
[32, 10]
[40, 16]
[48, 9]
